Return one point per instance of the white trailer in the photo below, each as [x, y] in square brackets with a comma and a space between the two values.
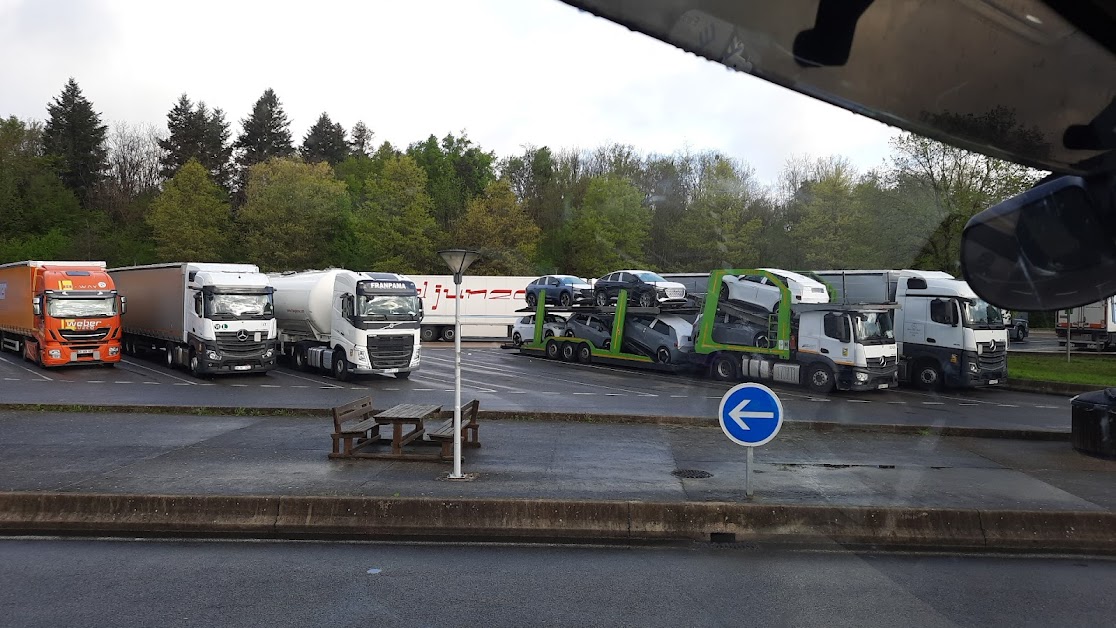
[349, 322]
[210, 318]
[488, 305]
[1092, 325]
[946, 334]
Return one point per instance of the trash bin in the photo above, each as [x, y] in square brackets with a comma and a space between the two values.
[1094, 423]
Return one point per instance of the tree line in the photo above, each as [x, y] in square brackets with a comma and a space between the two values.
[72, 187]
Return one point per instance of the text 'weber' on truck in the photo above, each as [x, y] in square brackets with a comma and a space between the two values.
[760, 330]
[60, 313]
[349, 322]
[209, 318]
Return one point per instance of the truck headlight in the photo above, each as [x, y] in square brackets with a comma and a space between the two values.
[212, 355]
[974, 367]
[360, 354]
[114, 350]
[55, 353]
[269, 353]
[861, 377]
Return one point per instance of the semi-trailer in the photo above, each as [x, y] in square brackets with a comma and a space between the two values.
[56, 313]
[349, 322]
[946, 334]
[209, 318]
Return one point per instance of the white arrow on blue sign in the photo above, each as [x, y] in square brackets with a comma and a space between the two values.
[750, 414]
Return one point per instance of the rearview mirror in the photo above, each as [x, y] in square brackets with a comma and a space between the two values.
[37, 306]
[1050, 248]
[123, 305]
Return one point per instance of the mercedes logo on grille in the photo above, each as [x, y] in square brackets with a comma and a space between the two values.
[883, 361]
[242, 335]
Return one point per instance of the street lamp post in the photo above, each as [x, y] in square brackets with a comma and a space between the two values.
[458, 261]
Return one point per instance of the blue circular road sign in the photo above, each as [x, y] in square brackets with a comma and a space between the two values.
[750, 414]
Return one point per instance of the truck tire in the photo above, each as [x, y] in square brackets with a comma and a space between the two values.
[569, 352]
[195, 364]
[820, 380]
[927, 375]
[448, 333]
[584, 353]
[724, 369]
[168, 359]
[301, 359]
[340, 370]
[428, 333]
[552, 350]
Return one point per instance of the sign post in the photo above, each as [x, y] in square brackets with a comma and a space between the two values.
[750, 415]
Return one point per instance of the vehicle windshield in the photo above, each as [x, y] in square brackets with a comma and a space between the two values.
[570, 281]
[388, 307]
[873, 328]
[649, 277]
[981, 314]
[62, 307]
[231, 307]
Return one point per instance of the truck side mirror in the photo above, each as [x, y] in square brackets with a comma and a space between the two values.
[37, 306]
[123, 304]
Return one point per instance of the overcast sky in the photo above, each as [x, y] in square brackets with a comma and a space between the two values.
[509, 72]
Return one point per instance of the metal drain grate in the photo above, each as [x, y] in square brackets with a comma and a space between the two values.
[691, 473]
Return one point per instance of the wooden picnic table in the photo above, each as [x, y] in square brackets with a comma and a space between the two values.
[402, 415]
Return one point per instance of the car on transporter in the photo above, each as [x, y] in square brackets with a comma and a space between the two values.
[523, 330]
[562, 290]
[645, 289]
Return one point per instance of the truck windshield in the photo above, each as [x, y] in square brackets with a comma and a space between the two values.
[388, 307]
[981, 314]
[873, 328]
[227, 307]
[61, 307]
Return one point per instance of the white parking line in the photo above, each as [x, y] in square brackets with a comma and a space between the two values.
[898, 402]
[858, 401]
[11, 379]
[308, 379]
[239, 385]
[188, 382]
[1008, 405]
[19, 366]
[584, 393]
[120, 382]
[933, 403]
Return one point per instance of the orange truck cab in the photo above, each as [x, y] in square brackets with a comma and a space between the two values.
[59, 313]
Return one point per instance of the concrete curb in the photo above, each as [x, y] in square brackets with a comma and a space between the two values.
[371, 518]
[577, 417]
[1048, 388]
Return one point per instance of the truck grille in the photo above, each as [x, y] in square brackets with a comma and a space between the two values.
[229, 346]
[390, 352]
[84, 335]
[993, 360]
[675, 293]
[881, 364]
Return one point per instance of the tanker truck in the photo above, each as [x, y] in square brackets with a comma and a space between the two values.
[348, 322]
[209, 318]
[59, 313]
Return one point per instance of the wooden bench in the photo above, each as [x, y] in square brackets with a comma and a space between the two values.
[470, 430]
[353, 427]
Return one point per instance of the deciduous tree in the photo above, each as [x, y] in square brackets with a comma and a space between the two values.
[496, 225]
[191, 219]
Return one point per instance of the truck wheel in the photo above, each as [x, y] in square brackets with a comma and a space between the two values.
[301, 359]
[584, 353]
[820, 379]
[429, 333]
[195, 364]
[552, 350]
[928, 376]
[448, 333]
[532, 300]
[662, 356]
[517, 339]
[565, 299]
[169, 356]
[724, 368]
[647, 299]
[569, 352]
[600, 297]
[340, 366]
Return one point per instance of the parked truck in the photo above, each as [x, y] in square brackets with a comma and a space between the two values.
[946, 334]
[1092, 325]
[59, 313]
[349, 322]
[823, 346]
[208, 318]
[489, 305]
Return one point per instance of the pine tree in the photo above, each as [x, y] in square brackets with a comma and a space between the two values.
[361, 143]
[266, 133]
[75, 136]
[197, 133]
[325, 141]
